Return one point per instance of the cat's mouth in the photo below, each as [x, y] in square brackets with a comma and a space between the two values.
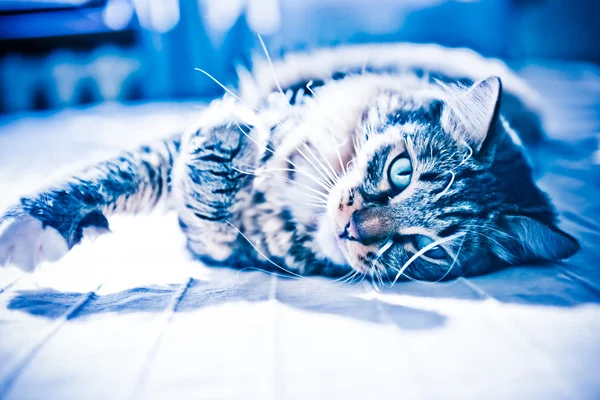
[356, 253]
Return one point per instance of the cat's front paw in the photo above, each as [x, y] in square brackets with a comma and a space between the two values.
[25, 242]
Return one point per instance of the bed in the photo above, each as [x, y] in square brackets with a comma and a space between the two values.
[133, 316]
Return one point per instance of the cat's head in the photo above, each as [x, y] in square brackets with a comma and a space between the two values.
[442, 188]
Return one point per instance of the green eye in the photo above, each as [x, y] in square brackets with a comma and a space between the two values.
[400, 173]
[436, 252]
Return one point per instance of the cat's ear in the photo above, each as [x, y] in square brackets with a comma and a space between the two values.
[470, 115]
[521, 239]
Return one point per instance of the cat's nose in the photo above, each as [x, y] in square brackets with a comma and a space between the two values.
[350, 232]
[371, 225]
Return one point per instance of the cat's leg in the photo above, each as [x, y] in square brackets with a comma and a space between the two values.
[46, 225]
[213, 181]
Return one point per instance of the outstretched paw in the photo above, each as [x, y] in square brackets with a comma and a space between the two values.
[218, 159]
[229, 143]
[25, 243]
[215, 187]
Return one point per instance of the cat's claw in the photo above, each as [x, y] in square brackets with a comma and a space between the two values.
[25, 243]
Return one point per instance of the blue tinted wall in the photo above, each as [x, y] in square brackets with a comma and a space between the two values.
[75, 52]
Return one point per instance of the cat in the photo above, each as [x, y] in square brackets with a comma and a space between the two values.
[385, 161]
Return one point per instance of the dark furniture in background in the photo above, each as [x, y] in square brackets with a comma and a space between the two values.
[74, 52]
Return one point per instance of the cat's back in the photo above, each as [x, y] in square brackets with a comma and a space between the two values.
[359, 70]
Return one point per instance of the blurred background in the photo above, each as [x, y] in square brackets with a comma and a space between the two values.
[68, 53]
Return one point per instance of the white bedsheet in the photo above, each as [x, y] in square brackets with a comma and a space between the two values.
[132, 316]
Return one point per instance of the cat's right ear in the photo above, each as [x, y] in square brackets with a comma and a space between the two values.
[470, 116]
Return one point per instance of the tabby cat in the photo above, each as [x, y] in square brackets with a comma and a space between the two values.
[383, 160]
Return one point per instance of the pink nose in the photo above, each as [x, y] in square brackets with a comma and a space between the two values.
[352, 231]
[369, 225]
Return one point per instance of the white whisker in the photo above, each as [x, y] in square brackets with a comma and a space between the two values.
[263, 255]
[319, 170]
[379, 278]
[451, 172]
[468, 155]
[353, 274]
[266, 147]
[273, 152]
[226, 89]
[331, 172]
[492, 229]
[349, 163]
[374, 282]
[262, 43]
[364, 275]
[324, 185]
[447, 271]
[335, 143]
[318, 205]
[425, 250]
[266, 272]
[323, 196]
[276, 80]
[443, 192]
[277, 155]
[342, 280]
[385, 248]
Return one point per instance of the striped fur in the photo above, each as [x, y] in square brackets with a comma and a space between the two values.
[301, 181]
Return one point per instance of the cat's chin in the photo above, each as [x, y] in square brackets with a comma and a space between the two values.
[328, 241]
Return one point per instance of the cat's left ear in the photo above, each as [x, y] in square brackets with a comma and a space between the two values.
[470, 116]
[522, 239]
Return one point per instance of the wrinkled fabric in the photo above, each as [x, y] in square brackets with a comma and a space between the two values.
[132, 316]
